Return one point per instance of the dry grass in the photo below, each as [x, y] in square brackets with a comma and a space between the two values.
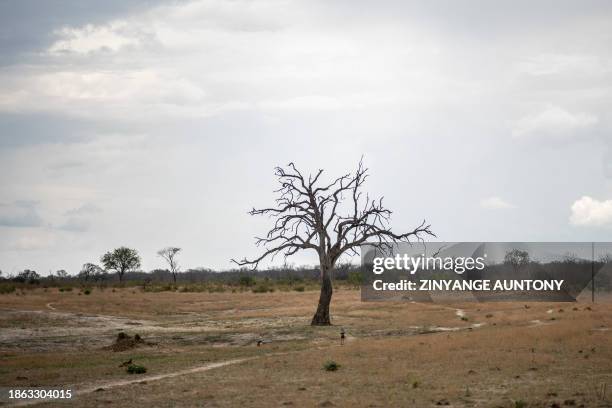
[396, 354]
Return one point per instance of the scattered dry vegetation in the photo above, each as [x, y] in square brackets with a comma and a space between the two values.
[396, 354]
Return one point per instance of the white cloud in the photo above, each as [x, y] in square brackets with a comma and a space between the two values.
[211, 57]
[565, 64]
[110, 93]
[589, 212]
[311, 102]
[207, 58]
[554, 122]
[90, 38]
[496, 203]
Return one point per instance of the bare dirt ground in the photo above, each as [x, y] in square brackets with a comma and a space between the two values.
[200, 349]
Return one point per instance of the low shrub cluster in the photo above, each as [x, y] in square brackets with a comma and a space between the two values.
[7, 288]
[136, 369]
[165, 287]
[331, 365]
[203, 287]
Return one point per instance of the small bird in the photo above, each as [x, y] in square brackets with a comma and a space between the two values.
[342, 336]
[126, 363]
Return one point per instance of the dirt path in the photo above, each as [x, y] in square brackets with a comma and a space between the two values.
[88, 389]
[103, 322]
[85, 389]
[104, 386]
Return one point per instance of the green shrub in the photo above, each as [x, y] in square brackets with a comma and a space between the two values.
[299, 288]
[245, 280]
[355, 278]
[201, 287]
[7, 288]
[136, 369]
[87, 292]
[331, 365]
[262, 289]
[520, 404]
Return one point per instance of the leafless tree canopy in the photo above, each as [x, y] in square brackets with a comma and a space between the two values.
[169, 255]
[89, 270]
[331, 219]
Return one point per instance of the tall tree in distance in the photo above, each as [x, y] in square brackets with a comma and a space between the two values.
[121, 260]
[330, 218]
[517, 258]
[169, 255]
[89, 271]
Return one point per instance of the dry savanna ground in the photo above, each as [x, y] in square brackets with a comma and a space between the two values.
[200, 349]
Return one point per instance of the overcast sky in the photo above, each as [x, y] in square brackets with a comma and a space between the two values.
[151, 123]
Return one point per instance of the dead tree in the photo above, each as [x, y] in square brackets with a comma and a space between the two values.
[331, 219]
[169, 255]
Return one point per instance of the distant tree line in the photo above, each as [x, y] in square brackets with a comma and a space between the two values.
[123, 264]
[96, 275]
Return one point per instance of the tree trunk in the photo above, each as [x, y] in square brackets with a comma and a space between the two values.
[321, 317]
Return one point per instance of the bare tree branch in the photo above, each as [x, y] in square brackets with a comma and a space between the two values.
[331, 218]
[169, 255]
[306, 214]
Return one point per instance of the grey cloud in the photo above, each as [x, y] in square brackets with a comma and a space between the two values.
[76, 224]
[79, 219]
[27, 26]
[66, 165]
[24, 129]
[176, 139]
[20, 214]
